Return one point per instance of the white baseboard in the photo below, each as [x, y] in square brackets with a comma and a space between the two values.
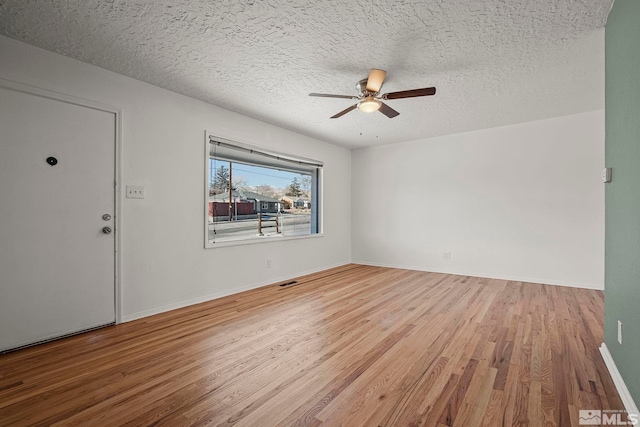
[623, 391]
[216, 295]
[488, 276]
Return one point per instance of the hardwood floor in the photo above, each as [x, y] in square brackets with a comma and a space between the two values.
[352, 346]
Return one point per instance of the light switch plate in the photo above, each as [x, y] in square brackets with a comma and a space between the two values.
[619, 332]
[135, 192]
[606, 175]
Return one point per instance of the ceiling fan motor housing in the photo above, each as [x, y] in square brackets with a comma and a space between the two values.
[362, 89]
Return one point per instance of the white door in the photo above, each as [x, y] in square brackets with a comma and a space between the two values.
[57, 174]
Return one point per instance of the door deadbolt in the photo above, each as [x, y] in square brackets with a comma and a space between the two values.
[106, 230]
[106, 217]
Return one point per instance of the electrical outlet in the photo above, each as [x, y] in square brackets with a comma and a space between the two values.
[268, 263]
[135, 192]
[446, 255]
[619, 332]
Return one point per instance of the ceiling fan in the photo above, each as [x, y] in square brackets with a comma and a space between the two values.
[369, 99]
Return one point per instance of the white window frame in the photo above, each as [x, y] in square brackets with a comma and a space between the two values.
[317, 177]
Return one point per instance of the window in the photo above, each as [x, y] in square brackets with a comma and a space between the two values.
[253, 194]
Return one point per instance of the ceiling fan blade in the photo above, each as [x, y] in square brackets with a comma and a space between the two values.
[375, 79]
[387, 111]
[327, 95]
[345, 111]
[410, 93]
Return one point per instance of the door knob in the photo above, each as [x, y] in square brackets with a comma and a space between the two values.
[106, 230]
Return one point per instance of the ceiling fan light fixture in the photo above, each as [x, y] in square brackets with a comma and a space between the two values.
[369, 98]
[369, 105]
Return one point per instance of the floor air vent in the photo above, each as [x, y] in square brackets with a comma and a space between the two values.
[293, 282]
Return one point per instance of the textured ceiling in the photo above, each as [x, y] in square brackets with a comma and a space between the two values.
[494, 62]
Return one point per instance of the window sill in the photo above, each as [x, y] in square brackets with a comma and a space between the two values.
[255, 240]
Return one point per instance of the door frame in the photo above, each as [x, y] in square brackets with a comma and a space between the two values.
[117, 187]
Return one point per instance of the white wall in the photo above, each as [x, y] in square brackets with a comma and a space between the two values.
[522, 202]
[163, 261]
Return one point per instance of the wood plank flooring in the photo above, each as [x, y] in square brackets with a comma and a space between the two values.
[352, 346]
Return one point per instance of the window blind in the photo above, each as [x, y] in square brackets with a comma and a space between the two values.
[235, 152]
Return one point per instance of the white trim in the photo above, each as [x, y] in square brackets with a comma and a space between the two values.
[489, 276]
[44, 93]
[265, 239]
[216, 295]
[81, 102]
[119, 195]
[623, 391]
[205, 205]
